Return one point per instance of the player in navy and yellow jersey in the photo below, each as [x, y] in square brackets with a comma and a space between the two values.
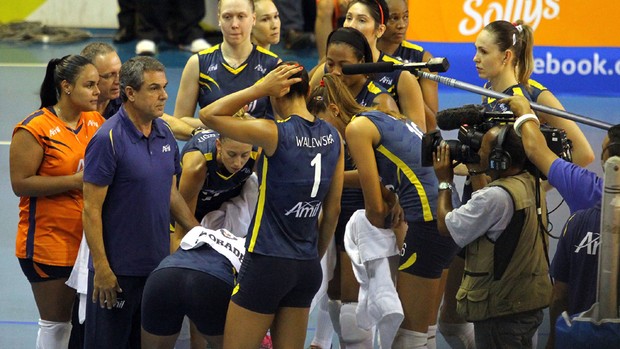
[504, 57]
[198, 279]
[225, 68]
[225, 165]
[393, 43]
[214, 169]
[46, 164]
[349, 46]
[266, 31]
[346, 46]
[383, 147]
[369, 17]
[531, 91]
[197, 284]
[219, 78]
[300, 174]
[408, 52]
[371, 93]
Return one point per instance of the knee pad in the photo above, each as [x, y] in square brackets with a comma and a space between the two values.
[324, 329]
[351, 333]
[432, 337]
[53, 335]
[406, 339]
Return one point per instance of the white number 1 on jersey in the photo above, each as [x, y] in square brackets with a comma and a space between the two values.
[316, 163]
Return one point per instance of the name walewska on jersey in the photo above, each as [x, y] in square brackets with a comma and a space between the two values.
[311, 142]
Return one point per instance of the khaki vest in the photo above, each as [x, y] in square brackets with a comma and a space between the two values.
[511, 275]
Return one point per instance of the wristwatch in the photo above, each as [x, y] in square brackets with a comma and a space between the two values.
[445, 185]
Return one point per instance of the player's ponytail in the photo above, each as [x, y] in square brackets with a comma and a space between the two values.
[58, 70]
[524, 50]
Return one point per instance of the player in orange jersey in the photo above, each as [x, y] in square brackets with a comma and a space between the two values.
[46, 163]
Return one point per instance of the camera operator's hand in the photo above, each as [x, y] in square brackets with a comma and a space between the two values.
[443, 164]
[519, 105]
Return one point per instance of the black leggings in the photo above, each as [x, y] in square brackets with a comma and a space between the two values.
[172, 293]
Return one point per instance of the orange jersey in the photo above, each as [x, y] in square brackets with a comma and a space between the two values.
[50, 227]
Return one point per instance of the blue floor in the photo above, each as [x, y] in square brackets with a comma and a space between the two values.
[22, 67]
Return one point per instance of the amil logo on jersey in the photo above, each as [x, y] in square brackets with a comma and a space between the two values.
[305, 209]
[54, 131]
[166, 148]
[386, 81]
[480, 13]
[261, 69]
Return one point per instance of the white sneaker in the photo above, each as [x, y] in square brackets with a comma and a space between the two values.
[146, 48]
[199, 45]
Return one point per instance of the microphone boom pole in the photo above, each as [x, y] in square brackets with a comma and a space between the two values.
[489, 93]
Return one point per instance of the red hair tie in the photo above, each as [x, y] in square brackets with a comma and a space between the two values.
[322, 83]
[380, 11]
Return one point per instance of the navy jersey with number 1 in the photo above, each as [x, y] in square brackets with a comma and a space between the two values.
[292, 185]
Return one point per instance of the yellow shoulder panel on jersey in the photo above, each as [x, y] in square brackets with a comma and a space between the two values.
[209, 50]
[372, 88]
[407, 44]
[517, 91]
[387, 58]
[266, 51]
[537, 85]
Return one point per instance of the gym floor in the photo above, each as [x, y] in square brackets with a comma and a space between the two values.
[22, 67]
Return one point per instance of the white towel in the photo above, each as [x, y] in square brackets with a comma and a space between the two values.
[221, 240]
[79, 277]
[378, 304]
[235, 214]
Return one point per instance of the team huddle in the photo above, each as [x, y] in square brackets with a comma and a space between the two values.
[296, 189]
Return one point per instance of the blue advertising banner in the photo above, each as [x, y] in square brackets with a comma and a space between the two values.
[592, 71]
